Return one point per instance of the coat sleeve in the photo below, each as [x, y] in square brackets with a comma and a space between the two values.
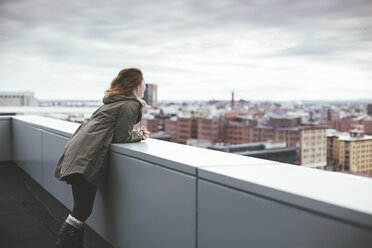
[124, 132]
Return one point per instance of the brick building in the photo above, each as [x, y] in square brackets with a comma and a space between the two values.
[210, 129]
[367, 126]
[170, 127]
[284, 121]
[151, 124]
[369, 108]
[310, 142]
[186, 129]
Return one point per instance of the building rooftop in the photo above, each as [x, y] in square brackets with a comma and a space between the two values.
[162, 194]
[24, 220]
[348, 136]
[291, 128]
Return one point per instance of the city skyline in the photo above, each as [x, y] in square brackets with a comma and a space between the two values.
[272, 50]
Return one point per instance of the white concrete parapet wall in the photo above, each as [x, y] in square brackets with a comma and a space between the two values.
[162, 194]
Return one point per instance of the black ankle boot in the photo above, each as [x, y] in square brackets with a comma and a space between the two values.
[69, 236]
[79, 238]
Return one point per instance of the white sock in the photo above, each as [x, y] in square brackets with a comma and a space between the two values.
[74, 222]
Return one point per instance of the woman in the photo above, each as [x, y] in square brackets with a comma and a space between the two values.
[83, 163]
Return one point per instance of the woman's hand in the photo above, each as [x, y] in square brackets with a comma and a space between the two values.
[143, 131]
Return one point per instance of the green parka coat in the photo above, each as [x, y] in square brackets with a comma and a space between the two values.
[86, 152]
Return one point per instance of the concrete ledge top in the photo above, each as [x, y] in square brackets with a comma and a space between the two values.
[341, 195]
[64, 128]
[182, 157]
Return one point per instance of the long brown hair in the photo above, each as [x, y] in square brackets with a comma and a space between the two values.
[125, 83]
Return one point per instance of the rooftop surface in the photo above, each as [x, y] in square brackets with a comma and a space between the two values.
[345, 136]
[24, 220]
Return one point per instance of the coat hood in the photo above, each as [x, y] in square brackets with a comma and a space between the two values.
[116, 98]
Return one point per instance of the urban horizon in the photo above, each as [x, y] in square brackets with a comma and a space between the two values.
[362, 100]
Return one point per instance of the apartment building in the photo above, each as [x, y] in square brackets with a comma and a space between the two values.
[367, 125]
[170, 127]
[236, 132]
[350, 151]
[348, 123]
[153, 125]
[151, 95]
[369, 109]
[313, 147]
[310, 141]
[333, 119]
[230, 128]
[284, 121]
[210, 128]
[278, 130]
[18, 99]
[186, 129]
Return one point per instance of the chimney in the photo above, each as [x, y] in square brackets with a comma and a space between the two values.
[232, 100]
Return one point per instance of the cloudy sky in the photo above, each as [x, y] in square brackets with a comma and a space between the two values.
[261, 50]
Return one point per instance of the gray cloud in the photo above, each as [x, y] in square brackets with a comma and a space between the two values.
[185, 38]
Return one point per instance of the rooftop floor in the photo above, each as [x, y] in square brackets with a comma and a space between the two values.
[24, 222]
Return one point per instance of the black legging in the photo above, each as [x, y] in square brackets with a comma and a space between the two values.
[84, 194]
